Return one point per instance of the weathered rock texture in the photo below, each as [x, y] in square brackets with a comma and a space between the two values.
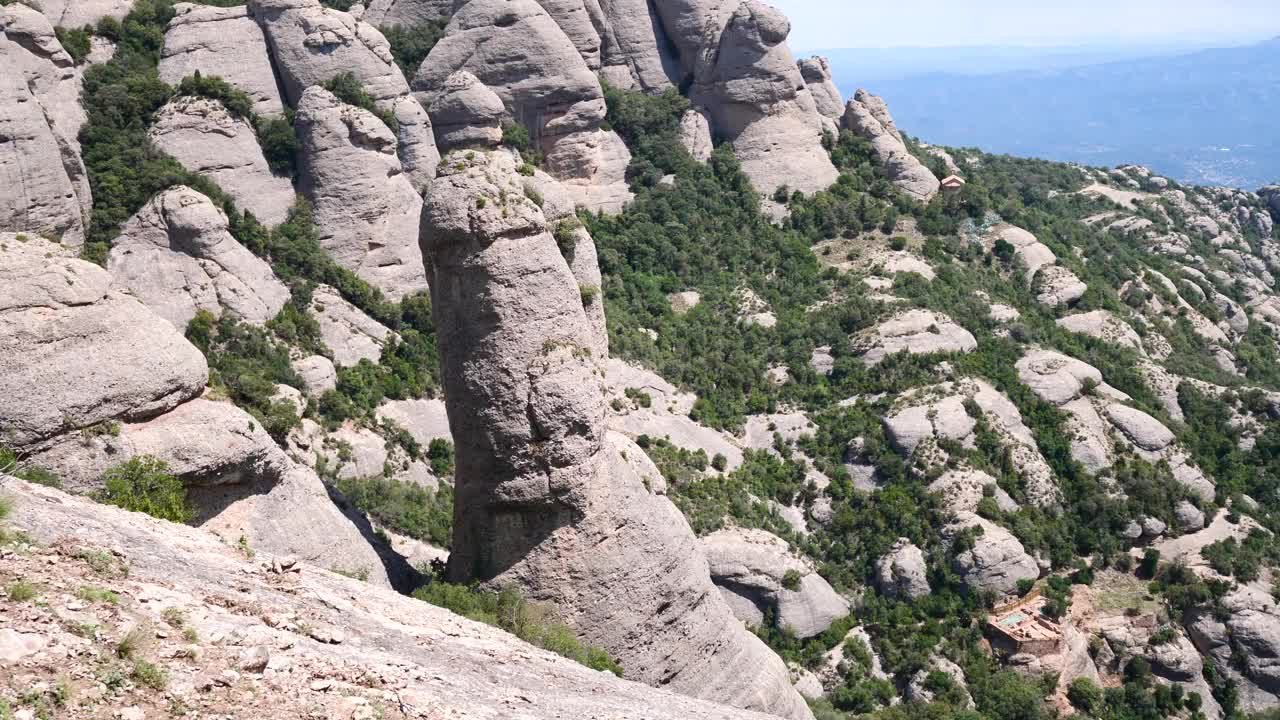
[634, 46]
[77, 13]
[221, 42]
[177, 256]
[385, 13]
[74, 352]
[816, 72]
[466, 113]
[365, 206]
[757, 573]
[867, 116]
[543, 499]
[917, 332]
[903, 572]
[311, 44]
[350, 335]
[516, 48]
[750, 84]
[426, 660]
[996, 561]
[205, 138]
[46, 190]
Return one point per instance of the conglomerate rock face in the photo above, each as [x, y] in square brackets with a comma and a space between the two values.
[365, 205]
[44, 188]
[866, 115]
[311, 44]
[750, 84]
[177, 256]
[222, 42]
[544, 499]
[74, 352]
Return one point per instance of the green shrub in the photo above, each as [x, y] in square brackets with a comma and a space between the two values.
[347, 88]
[76, 41]
[279, 142]
[144, 484]
[791, 579]
[531, 622]
[405, 508]
[440, 455]
[517, 137]
[1085, 695]
[20, 591]
[411, 45]
[11, 464]
[236, 101]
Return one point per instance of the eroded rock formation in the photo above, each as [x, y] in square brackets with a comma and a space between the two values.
[222, 42]
[365, 206]
[177, 256]
[867, 116]
[544, 499]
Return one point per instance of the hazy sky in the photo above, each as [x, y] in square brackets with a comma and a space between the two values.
[871, 23]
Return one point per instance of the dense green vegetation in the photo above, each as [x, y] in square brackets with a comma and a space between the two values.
[411, 45]
[402, 507]
[531, 622]
[76, 41]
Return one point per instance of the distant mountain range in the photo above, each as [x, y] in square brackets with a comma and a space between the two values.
[1209, 116]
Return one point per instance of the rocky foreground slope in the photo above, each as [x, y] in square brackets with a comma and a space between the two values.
[234, 633]
[617, 304]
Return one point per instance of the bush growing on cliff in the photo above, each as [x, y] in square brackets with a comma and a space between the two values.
[144, 484]
[405, 508]
[411, 44]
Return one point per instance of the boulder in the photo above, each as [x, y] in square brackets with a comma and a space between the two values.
[866, 116]
[206, 139]
[177, 256]
[318, 374]
[1140, 428]
[1190, 518]
[758, 574]
[693, 28]
[204, 443]
[465, 113]
[516, 48]
[311, 44]
[918, 332]
[47, 191]
[903, 572]
[426, 420]
[816, 72]
[962, 489]
[365, 206]
[1248, 628]
[996, 562]
[749, 83]
[1103, 325]
[695, 134]
[75, 353]
[349, 334]
[223, 42]
[918, 690]
[543, 499]
[1029, 251]
[1056, 286]
[1056, 378]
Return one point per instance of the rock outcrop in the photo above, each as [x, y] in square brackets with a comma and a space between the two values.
[751, 86]
[816, 72]
[543, 499]
[634, 46]
[202, 135]
[406, 13]
[223, 42]
[74, 352]
[78, 13]
[902, 572]
[46, 187]
[996, 561]
[350, 335]
[366, 208]
[917, 332]
[177, 256]
[516, 48]
[466, 113]
[758, 574]
[867, 116]
[311, 44]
